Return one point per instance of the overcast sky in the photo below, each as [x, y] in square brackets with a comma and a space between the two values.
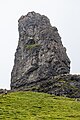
[64, 14]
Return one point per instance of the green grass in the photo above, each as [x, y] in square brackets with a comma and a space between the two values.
[38, 106]
[32, 46]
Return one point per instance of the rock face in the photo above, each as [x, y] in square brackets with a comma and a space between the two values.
[61, 85]
[40, 53]
[41, 63]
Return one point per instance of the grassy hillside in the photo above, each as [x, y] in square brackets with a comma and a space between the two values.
[38, 106]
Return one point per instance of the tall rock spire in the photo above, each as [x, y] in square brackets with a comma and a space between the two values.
[40, 53]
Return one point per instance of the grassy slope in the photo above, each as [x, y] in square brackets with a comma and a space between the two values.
[37, 106]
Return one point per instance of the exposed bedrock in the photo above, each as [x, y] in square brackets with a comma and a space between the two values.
[40, 54]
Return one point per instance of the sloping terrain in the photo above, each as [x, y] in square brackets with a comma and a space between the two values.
[38, 106]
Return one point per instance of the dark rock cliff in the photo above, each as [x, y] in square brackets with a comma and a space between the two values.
[39, 57]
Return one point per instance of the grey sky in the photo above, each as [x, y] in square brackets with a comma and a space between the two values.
[64, 14]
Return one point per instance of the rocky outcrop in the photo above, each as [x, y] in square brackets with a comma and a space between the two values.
[41, 63]
[3, 91]
[61, 85]
[40, 53]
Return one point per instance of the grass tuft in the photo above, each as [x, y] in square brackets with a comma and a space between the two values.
[32, 46]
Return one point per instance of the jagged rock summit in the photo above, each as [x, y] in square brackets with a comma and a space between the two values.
[40, 53]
